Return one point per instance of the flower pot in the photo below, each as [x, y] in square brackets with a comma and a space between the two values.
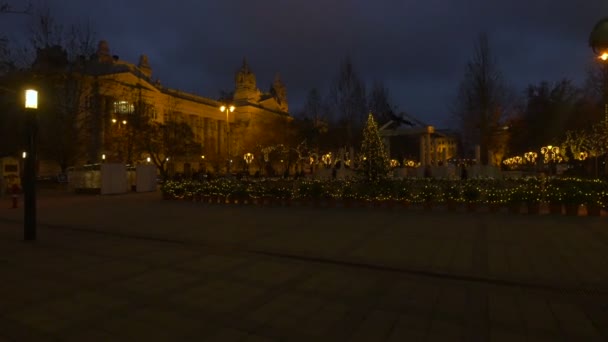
[494, 207]
[533, 208]
[555, 208]
[514, 208]
[451, 205]
[594, 210]
[572, 209]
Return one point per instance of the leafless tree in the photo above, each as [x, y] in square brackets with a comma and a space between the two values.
[481, 100]
[347, 97]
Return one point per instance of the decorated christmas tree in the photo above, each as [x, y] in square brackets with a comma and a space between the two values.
[375, 163]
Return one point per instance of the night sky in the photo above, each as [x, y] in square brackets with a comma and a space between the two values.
[417, 48]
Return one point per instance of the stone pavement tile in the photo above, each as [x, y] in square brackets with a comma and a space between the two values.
[257, 338]
[499, 334]
[287, 304]
[410, 296]
[442, 257]
[161, 253]
[339, 282]
[154, 324]
[212, 263]
[20, 289]
[452, 302]
[326, 319]
[59, 314]
[155, 281]
[503, 311]
[109, 271]
[409, 328]
[217, 296]
[598, 313]
[268, 272]
[445, 330]
[519, 262]
[498, 261]
[12, 331]
[92, 335]
[227, 335]
[232, 335]
[462, 257]
[574, 322]
[376, 326]
[538, 316]
[312, 240]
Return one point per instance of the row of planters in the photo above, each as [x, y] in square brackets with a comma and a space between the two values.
[557, 193]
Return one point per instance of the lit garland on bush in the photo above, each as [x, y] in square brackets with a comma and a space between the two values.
[573, 191]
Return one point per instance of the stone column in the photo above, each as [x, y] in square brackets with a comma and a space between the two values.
[219, 136]
[206, 135]
[423, 160]
[429, 147]
[435, 152]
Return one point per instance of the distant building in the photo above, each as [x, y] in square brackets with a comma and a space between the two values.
[113, 88]
[408, 138]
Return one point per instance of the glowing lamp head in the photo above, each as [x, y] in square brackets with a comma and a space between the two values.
[232, 108]
[24, 154]
[148, 159]
[124, 122]
[113, 120]
[103, 157]
[31, 99]
[222, 108]
[604, 56]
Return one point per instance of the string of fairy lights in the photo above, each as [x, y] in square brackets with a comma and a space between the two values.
[488, 191]
[549, 153]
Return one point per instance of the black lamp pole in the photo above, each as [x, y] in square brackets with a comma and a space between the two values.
[29, 218]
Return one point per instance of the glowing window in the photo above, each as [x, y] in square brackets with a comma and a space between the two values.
[123, 107]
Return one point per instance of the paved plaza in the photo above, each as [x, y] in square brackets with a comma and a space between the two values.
[136, 268]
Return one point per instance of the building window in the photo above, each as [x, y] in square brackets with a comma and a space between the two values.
[123, 107]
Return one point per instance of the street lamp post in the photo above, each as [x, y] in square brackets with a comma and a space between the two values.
[29, 188]
[248, 159]
[551, 154]
[228, 109]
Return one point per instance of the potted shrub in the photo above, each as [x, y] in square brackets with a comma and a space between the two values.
[472, 196]
[429, 194]
[535, 196]
[453, 195]
[404, 192]
[573, 196]
[553, 196]
[517, 194]
[495, 197]
[595, 196]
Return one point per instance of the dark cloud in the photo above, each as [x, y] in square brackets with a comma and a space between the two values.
[417, 48]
